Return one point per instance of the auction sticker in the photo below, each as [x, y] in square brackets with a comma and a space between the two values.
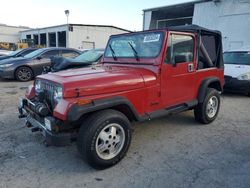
[152, 38]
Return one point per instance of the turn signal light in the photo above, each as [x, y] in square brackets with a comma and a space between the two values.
[84, 101]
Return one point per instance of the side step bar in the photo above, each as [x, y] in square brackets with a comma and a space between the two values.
[173, 110]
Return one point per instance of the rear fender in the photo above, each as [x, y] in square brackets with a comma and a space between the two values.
[211, 82]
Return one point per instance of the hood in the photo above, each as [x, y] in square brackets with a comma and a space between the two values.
[101, 80]
[5, 57]
[13, 60]
[235, 70]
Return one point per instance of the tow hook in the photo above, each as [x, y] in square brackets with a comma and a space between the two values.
[35, 129]
[22, 116]
[28, 124]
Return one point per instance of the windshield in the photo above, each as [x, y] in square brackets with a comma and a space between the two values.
[34, 53]
[90, 56]
[15, 52]
[137, 45]
[240, 58]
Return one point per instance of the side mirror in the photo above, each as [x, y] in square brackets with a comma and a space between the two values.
[180, 59]
[19, 55]
[39, 57]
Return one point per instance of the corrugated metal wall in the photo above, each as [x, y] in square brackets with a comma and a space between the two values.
[231, 17]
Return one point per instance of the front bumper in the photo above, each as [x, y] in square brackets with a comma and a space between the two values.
[38, 124]
[6, 73]
[233, 84]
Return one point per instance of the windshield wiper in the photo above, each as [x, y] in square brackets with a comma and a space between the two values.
[134, 50]
[112, 52]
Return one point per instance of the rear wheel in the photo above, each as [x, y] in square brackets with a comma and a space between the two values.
[24, 74]
[207, 111]
[104, 138]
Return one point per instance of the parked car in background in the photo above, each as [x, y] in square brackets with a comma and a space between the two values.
[18, 53]
[237, 70]
[88, 58]
[27, 67]
[5, 52]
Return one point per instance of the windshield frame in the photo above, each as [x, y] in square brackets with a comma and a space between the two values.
[162, 38]
[235, 52]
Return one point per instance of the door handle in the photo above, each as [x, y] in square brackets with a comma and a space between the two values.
[190, 67]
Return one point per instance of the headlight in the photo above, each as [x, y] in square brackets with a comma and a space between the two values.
[58, 94]
[38, 85]
[245, 76]
[6, 65]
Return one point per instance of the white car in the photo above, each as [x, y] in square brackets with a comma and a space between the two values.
[237, 70]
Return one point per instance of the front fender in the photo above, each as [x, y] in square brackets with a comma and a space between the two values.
[77, 111]
[30, 92]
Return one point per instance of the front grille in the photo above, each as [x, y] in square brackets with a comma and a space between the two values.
[48, 89]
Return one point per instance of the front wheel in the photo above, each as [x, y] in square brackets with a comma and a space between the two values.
[24, 74]
[104, 138]
[207, 111]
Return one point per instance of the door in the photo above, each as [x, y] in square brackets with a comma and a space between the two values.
[178, 70]
[43, 60]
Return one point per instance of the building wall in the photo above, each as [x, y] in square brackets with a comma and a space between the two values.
[10, 34]
[43, 30]
[231, 17]
[147, 20]
[79, 37]
[85, 37]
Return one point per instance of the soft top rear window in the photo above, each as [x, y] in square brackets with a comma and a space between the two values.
[239, 58]
[136, 45]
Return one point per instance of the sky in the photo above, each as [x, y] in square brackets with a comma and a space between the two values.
[126, 14]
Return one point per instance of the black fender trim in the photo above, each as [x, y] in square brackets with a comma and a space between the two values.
[204, 85]
[77, 111]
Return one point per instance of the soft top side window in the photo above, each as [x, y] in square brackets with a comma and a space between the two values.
[208, 52]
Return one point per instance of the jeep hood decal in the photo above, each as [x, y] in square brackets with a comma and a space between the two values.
[101, 80]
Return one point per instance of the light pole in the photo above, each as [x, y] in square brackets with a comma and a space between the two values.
[67, 31]
[67, 14]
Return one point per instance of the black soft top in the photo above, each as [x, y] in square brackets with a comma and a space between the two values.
[204, 49]
[193, 28]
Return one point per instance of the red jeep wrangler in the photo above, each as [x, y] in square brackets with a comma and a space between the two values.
[143, 75]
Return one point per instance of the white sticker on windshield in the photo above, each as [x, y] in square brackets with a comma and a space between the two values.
[152, 38]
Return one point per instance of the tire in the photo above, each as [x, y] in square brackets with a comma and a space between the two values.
[23, 74]
[207, 111]
[104, 138]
